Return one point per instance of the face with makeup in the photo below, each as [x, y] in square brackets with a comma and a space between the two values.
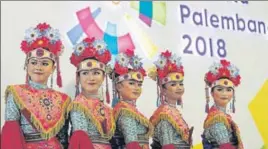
[173, 90]
[222, 95]
[129, 89]
[39, 69]
[91, 80]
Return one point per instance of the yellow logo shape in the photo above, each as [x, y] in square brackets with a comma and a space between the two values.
[259, 111]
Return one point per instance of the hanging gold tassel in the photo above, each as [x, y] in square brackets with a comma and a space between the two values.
[77, 92]
[51, 80]
[107, 91]
[233, 106]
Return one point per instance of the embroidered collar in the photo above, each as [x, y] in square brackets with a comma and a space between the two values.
[37, 85]
[221, 108]
[94, 97]
[131, 102]
[170, 105]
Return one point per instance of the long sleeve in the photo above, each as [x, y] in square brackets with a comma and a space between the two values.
[79, 138]
[166, 134]
[166, 131]
[63, 134]
[129, 130]
[219, 132]
[12, 135]
[79, 121]
[12, 112]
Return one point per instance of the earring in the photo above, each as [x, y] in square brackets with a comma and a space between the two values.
[25, 68]
[51, 81]
[207, 99]
[161, 96]
[27, 78]
[107, 94]
[179, 102]
[233, 106]
[77, 92]
[158, 100]
[116, 95]
[101, 93]
[25, 63]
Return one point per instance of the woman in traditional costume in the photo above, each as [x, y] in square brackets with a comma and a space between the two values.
[91, 119]
[133, 129]
[220, 131]
[35, 115]
[171, 131]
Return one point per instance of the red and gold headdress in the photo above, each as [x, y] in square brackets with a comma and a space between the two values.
[221, 73]
[127, 66]
[90, 48]
[91, 54]
[43, 42]
[168, 67]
